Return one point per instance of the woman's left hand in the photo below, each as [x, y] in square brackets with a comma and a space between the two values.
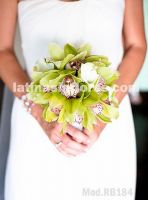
[95, 133]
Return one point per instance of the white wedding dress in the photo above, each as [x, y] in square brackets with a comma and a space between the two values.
[35, 169]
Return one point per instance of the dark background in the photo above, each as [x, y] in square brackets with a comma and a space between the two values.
[140, 113]
[1, 92]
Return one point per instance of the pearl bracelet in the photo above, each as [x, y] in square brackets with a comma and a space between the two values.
[27, 103]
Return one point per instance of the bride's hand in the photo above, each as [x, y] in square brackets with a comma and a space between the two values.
[94, 135]
[72, 143]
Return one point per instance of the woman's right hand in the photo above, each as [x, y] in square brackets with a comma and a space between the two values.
[72, 143]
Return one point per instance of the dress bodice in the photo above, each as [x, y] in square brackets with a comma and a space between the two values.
[98, 22]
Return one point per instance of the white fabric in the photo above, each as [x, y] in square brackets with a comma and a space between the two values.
[36, 170]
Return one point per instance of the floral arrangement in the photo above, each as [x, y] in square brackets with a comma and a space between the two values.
[74, 87]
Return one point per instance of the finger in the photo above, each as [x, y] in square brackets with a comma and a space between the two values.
[55, 138]
[92, 135]
[69, 142]
[77, 134]
[63, 152]
[86, 131]
[68, 150]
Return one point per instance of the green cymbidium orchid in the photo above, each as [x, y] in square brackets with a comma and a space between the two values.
[94, 97]
[109, 75]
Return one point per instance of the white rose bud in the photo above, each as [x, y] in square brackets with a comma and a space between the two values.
[88, 72]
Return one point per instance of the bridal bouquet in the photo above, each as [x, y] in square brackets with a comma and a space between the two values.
[74, 87]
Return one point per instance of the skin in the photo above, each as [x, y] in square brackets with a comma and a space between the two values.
[76, 142]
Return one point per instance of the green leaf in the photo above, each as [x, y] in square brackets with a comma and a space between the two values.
[104, 119]
[108, 74]
[42, 65]
[56, 52]
[89, 119]
[44, 112]
[92, 99]
[66, 72]
[66, 60]
[68, 106]
[113, 78]
[49, 115]
[85, 47]
[66, 116]
[69, 49]
[78, 80]
[102, 64]
[63, 129]
[80, 56]
[103, 96]
[56, 100]
[77, 106]
[37, 75]
[45, 81]
[113, 112]
[61, 118]
[94, 58]
[57, 64]
[39, 97]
